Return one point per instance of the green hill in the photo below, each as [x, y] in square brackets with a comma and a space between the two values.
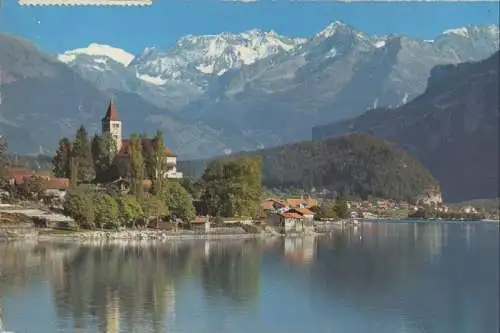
[358, 163]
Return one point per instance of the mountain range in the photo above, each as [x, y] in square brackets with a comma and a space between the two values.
[453, 128]
[222, 93]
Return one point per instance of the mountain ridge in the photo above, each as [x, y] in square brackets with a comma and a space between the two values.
[316, 82]
[453, 128]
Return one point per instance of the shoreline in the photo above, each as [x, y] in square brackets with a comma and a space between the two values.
[133, 235]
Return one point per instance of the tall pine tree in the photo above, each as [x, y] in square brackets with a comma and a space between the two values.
[136, 167]
[159, 170]
[148, 156]
[61, 162]
[4, 162]
[103, 152]
[82, 156]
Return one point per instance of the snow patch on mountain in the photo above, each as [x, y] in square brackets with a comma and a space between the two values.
[98, 50]
[330, 29]
[192, 58]
[157, 81]
[457, 31]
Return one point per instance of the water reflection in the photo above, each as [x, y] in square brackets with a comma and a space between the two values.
[386, 277]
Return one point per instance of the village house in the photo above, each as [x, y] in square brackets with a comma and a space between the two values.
[18, 176]
[292, 221]
[305, 213]
[278, 206]
[52, 186]
[56, 187]
[201, 223]
[469, 210]
[112, 125]
[302, 202]
[273, 206]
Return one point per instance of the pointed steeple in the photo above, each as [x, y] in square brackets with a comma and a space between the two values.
[111, 113]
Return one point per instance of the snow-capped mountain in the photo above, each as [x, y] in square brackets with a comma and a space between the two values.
[231, 82]
[101, 53]
[181, 73]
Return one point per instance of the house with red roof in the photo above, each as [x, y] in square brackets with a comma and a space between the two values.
[113, 125]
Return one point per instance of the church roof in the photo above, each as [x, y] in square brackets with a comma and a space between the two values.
[111, 113]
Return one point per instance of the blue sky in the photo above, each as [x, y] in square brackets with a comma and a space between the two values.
[56, 29]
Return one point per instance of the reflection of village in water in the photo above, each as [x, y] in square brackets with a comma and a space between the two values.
[122, 286]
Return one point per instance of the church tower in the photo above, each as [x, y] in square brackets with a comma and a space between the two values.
[111, 124]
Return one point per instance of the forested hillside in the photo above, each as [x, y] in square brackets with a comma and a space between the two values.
[359, 164]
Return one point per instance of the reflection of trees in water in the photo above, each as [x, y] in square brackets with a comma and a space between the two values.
[137, 281]
[24, 260]
[232, 271]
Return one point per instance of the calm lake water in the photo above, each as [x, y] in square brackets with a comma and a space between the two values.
[381, 278]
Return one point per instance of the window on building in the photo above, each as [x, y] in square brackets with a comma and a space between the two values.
[116, 125]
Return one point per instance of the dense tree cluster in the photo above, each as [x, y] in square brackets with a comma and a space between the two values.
[337, 210]
[232, 187]
[450, 215]
[87, 161]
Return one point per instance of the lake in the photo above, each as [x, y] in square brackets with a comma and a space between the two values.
[378, 277]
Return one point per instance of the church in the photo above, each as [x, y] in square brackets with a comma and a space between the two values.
[112, 124]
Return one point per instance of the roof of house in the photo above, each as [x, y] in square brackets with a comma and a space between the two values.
[302, 211]
[266, 204]
[19, 175]
[126, 143]
[290, 215]
[111, 113]
[296, 202]
[57, 184]
[201, 219]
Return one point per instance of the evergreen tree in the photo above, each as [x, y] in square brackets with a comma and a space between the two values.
[83, 157]
[103, 152]
[159, 171]
[61, 160]
[136, 167]
[4, 162]
[213, 193]
[341, 207]
[148, 156]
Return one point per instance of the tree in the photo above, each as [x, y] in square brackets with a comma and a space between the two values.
[153, 207]
[325, 211]
[213, 191]
[243, 186]
[103, 151]
[159, 169]
[136, 167]
[192, 187]
[129, 209]
[148, 156]
[61, 162]
[178, 202]
[342, 208]
[4, 162]
[34, 187]
[83, 157]
[106, 210]
[232, 188]
[79, 205]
